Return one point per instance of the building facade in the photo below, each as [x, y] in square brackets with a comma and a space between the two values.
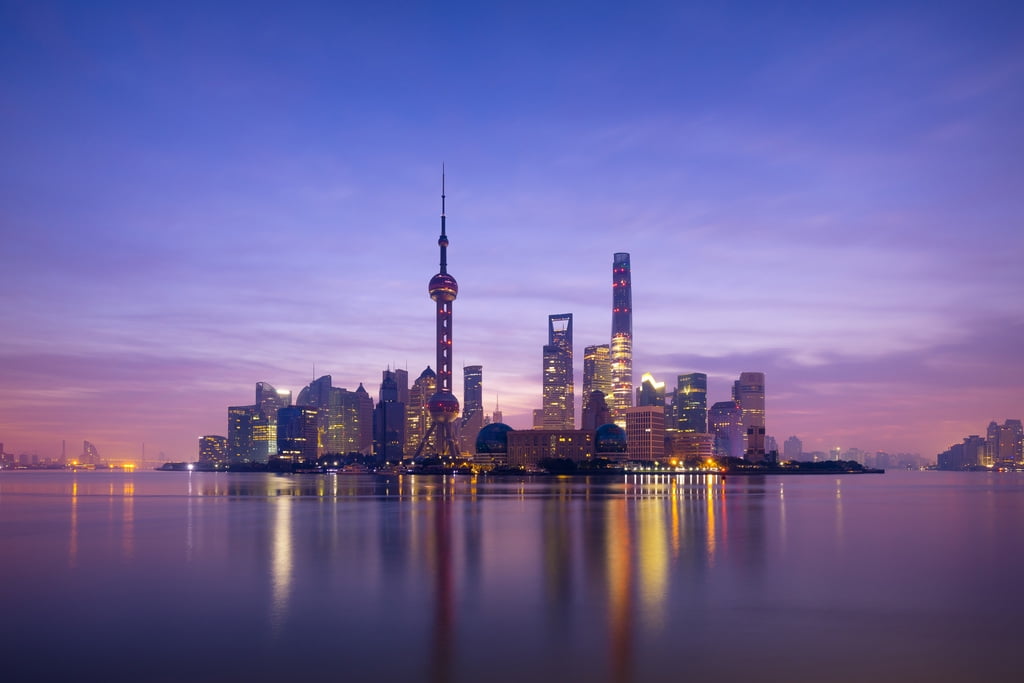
[645, 433]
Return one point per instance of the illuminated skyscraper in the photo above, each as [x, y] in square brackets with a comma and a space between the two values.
[691, 403]
[748, 391]
[298, 434]
[341, 416]
[559, 404]
[473, 409]
[417, 417]
[621, 347]
[213, 450]
[473, 390]
[443, 406]
[252, 430]
[597, 371]
[651, 392]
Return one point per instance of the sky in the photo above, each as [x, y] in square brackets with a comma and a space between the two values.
[199, 196]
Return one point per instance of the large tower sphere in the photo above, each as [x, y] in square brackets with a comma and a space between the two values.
[443, 407]
[443, 287]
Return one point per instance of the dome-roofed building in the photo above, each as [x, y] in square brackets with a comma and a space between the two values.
[610, 442]
[492, 444]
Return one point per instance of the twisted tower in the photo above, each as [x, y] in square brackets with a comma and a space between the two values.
[621, 353]
[443, 406]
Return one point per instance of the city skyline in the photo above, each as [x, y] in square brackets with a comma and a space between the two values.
[195, 206]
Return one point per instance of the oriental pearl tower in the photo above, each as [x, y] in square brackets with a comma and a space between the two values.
[443, 406]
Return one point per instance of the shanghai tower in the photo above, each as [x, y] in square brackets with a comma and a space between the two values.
[621, 352]
[443, 406]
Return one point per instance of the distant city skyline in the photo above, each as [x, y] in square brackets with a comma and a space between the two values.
[194, 203]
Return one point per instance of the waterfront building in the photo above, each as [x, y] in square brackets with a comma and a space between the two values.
[90, 454]
[597, 371]
[691, 445]
[491, 445]
[690, 406]
[1003, 443]
[241, 447]
[792, 449]
[473, 418]
[595, 411]
[298, 434]
[417, 416]
[748, 391]
[559, 404]
[388, 421]
[526, 448]
[621, 347]
[252, 430]
[611, 442]
[972, 452]
[725, 422]
[645, 432]
[443, 406]
[362, 407]
[342, 416]
[213, 450]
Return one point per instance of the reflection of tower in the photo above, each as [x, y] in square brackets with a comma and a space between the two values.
[621, 352]
[443, 406]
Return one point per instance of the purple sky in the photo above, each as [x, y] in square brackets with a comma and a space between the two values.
[193, 200]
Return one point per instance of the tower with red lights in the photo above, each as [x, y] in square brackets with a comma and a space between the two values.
[443, 406]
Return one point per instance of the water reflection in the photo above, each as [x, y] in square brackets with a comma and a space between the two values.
[442, 578]
[281, 561]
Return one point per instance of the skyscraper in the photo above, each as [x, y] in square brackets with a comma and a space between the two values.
[417, 417]
[596, 371]
[473, 390]
[252, 430]
[748, 391]
[443, 406]
[473, 414]
[213, 450]
[388, 421]
[651, 392]
[339, 414]
[691, 402]
[559, 404]
[298, 434]
[621, 347]
[725, 421]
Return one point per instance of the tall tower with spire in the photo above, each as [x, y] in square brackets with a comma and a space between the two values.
[443, 406]
[621, 351]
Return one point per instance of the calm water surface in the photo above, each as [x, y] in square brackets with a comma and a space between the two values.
[171, 576]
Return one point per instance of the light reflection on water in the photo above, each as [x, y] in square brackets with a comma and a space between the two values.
[642, 578]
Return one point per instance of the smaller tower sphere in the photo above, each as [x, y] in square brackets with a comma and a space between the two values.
[442, 241]
[443, 407]
[443, 287]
